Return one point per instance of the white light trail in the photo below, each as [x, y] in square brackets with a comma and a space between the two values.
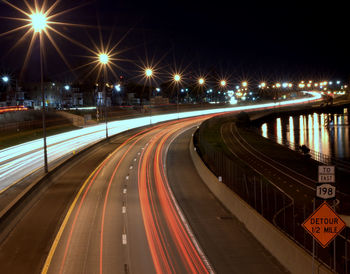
[19, 161]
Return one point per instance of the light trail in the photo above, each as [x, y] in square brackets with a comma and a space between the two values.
[163, 224]
[19, 161]
[83, 192]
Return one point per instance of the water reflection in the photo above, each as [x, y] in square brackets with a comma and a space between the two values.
[290, 134]
[326, 133]
[264, 130]
[279, 131]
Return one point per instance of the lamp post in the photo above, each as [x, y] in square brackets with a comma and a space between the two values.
[223, 84]
[149, 74]
[201, 83]
[177, 79]
[104, 59]
[38, 25]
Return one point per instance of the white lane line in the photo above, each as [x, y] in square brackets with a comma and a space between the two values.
[131, 167]
[138, 153]
[135, 159]
[127, 177]
[124, 239]
[124, 209]
[124, 191]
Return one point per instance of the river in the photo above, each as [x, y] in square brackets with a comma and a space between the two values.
[327, 133]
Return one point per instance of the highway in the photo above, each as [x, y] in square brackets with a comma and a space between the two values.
[142, 209]
[20, 161]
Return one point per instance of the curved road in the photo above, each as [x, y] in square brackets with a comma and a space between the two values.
[143, 209]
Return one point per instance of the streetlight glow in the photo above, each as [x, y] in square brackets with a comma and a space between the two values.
[5, 79]
[103, 58]
[177, 77]
[38, 21]
[223, 83]
[201, 81]
[244, 84]
[148, 72]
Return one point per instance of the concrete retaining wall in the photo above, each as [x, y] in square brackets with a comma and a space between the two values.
[77, 120]
[289, 254]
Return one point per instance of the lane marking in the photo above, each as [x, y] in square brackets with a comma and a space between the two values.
[71, 208]
[127, 177]
[65, 221]
[124, 209]
[124, 239]
[131, 167]
[124, 191]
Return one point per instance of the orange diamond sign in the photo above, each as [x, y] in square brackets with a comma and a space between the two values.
[324, 224]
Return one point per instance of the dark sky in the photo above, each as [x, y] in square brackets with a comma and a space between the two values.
[241, 39]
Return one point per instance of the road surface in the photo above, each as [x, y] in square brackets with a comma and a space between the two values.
[120, 215]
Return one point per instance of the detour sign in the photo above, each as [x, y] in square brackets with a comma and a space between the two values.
[324, 224]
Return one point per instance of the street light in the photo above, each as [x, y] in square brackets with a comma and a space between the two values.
[39, 24]
[223, 83]
[103, 58]
[5, 79]
[38, 21]
[177, 79]
[201, 81]
[244, 84]
[149, 74]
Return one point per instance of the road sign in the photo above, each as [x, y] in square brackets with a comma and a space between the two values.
[324, 224]
[326, 174]
[325, 191]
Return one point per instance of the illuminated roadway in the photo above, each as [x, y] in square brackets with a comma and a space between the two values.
[143, 209]
[19, 161]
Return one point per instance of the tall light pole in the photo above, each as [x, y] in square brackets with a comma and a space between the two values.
[177, 79]
[148, 75]
[201, 82]
[223, 84]
[104, 59]
[38, 25]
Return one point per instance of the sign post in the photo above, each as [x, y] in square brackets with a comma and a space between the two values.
[326, 175]
[324, 224]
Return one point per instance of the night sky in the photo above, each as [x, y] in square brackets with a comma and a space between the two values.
[259, 40]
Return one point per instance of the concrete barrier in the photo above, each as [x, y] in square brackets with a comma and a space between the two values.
[288, 253]
[77, 120]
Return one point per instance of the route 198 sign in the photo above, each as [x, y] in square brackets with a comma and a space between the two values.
[325, 191]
